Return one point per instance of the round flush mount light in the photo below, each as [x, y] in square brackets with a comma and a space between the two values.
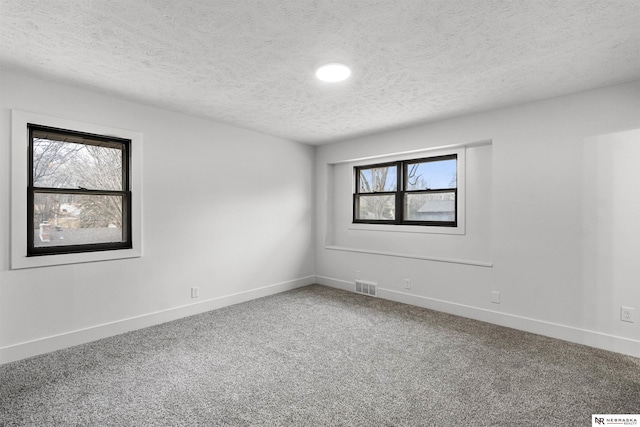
[333, 73]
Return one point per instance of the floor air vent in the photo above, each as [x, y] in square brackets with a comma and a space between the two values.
[366, 288]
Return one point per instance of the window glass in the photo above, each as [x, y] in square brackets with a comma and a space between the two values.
[71, 219]
[376, 207]
[61, 164]
[378, 179]
[431, 175]
[430, 207]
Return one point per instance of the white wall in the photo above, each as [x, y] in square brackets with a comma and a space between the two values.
[552, 217]
[224, 209]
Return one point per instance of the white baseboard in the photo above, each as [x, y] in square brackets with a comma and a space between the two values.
[566, 333]
[68, 339]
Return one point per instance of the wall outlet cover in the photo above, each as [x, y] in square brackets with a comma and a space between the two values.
[627, 314]
[495, 297]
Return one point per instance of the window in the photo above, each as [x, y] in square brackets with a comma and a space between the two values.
[82, 182]
[409, 192]
[78, 197]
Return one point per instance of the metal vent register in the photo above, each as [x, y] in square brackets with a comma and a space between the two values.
[366, 288]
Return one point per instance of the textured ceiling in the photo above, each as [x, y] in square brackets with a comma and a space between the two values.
[252, 63]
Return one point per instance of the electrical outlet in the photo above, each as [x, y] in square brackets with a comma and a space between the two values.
[627, 314]
[495, 297]
[195, 292]
[407, 283]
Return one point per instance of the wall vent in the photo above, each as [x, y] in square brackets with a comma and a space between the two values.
[366, 288]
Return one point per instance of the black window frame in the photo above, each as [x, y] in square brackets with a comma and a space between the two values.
[125, 193]
[401, 191]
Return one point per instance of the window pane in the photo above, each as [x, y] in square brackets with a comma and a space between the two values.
[67, 219]
[434, 175]
[60, 164]
[376, 207]
[378, 179]
[430, 207]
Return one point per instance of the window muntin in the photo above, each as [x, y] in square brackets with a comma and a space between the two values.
[417, 192]
[78, 197]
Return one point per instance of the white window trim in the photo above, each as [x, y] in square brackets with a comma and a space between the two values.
[19, 183]
[460, 229]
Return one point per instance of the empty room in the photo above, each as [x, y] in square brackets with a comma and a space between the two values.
[319, 212]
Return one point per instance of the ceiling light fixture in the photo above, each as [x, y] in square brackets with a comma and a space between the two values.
[333, 73]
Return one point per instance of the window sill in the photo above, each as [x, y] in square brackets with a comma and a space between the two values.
[62, 259]
[459, 230]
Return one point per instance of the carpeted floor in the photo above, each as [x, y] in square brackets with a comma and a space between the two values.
[318, 356]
